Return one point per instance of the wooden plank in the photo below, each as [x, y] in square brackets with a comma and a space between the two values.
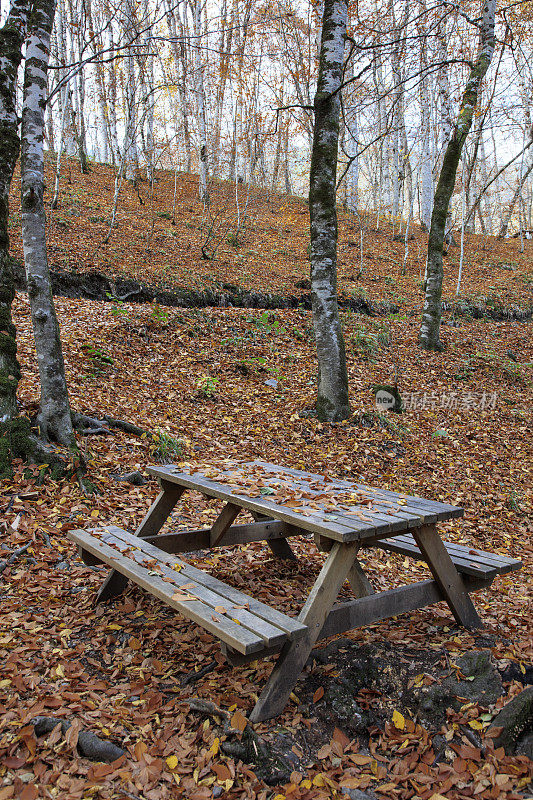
[279, 547]
[442, 510]
[293, 655]
[282, 549]
[292, 627]
[450, 582]
[186, 541]
[334, 530]
[238, 659]
[116, 582]
[239, 613]
[223, 522]
[88, 558]
[467, 553]
[367, 610]
[379, 516]
[237, 636]
[332, 524]
[477, 565]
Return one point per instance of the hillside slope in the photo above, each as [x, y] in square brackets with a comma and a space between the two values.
[270, 253]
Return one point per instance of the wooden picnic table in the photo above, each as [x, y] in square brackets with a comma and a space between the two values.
[342, 515]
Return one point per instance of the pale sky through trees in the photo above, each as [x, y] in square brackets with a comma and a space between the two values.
[218, 71]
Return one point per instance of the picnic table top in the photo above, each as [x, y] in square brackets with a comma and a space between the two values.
[338, 509]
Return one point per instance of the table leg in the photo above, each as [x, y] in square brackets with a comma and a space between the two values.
[279, 547]
[446, 576]
[360, 584]
[294, 655]
[223, 522]
[115, 583]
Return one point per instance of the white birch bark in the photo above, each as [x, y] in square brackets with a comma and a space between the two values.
[12, 35]
[54, 417]
[426, 160]
[130, 134]
[179, 53]
[200, 102]
[351, 140]
[332, 396]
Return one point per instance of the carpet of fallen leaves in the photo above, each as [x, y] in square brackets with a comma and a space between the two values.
[218, 383]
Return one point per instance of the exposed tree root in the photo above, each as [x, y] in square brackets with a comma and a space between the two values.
[13, 556]
[245, 744]
[92, 426]
[89, 745]
[192, 677]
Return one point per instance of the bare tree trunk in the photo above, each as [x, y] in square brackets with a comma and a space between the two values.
[54, 415]
[429, 337]
[180, 62]
[286, 167]
[332, 400]
[12, 36]
[525, 173]
[16, 437]
[200, 102]
[351, 141]
[426, 165]
[130, 136]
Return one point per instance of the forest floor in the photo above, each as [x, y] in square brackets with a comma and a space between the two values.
[160, 231]
[238, 383]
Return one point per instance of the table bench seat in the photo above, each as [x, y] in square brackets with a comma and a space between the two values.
[467, 560]
[241, 622]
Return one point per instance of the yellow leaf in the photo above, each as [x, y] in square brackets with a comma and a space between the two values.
[114, 627]
[294, 698]
[318, 780]
[279, 797]
[215, 747]
[60, 673]
[172, 762]
[476, 724]
[4, 683]
[398, 720]
[305, 784]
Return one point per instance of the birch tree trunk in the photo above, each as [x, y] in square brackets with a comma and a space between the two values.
[429, 337]
[180, 62]
[200, 102]
[130, 136]
[332, 400]
[426, 161]
[351, 141]
[12, 36]
[54, 415]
